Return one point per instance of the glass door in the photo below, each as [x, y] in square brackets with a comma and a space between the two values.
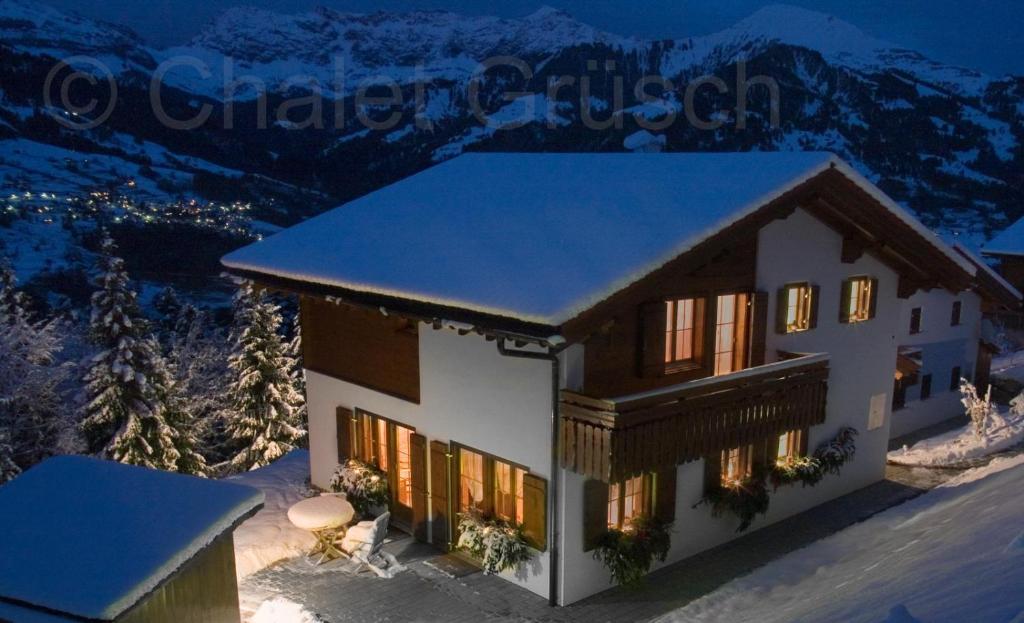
[731, 321]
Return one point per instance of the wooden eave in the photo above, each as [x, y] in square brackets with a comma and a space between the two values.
[491, 325]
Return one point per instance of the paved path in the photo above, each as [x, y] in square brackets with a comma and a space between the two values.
[425, 594]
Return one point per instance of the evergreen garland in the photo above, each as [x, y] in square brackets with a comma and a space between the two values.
[262, 419]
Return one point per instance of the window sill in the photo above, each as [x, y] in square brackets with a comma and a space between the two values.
[681, 366]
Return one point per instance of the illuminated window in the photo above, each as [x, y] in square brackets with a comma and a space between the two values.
[683, 330]
[725, 326]
[403, 463]
[380, 454]
[626, 501]
[788, 445]
[798, 308]
[735, 465]
[508, 492]
[859, 299]
[471, 480]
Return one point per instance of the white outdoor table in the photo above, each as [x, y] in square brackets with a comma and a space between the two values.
[326, 517]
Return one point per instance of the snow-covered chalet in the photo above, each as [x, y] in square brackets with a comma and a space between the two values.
[570, 341]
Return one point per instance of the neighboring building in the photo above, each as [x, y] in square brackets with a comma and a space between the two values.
[88, 540]
[1008, 248]
[569, 340]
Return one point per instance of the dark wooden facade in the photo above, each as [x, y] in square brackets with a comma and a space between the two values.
[362, 346]
[610, 440]
[203, 591]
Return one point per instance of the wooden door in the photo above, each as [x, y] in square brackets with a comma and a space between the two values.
[401, 476]
[440, 489]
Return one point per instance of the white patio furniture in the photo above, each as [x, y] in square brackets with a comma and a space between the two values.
[364, 543]
[326, 517]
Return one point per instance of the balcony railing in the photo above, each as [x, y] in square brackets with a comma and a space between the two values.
[611, 439]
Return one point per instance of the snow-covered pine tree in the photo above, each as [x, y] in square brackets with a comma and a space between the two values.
[8, 468]
[32, 410]
[262, 418]
[298, 371]
[130, 414]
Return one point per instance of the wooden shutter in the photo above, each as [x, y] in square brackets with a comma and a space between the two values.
[815, 297]
[804, 434]
[346, 429]
[758, 328]
[418, 460]
[713, 471]
[873, 301]
[781, 310]
[595, 512]
[535, 511]
[440, 484]
[664, 507]
[844, 301]
[652, 339]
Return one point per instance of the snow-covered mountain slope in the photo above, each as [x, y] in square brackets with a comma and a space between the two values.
[947, 142]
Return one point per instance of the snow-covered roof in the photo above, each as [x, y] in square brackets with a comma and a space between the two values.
[91, 538]
[537, 237]
[1008, 242]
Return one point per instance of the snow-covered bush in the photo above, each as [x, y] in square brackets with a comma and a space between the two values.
[8, 468]
[499, 545]
[628, 554]
[1017, 405]
[365, 486]
[980, 410]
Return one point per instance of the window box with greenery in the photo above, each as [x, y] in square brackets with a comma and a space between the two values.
[797, 308]
[498, 544]
[737, 479]
[859, 300]
[501, 493]
[628, 524]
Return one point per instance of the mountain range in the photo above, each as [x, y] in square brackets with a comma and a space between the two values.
[944, 141]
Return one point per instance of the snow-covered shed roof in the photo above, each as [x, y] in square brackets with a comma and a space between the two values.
[91, 538]
[1008, 242]
[537, 237]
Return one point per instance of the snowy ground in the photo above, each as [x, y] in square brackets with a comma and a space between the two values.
[961, 445]
[268, 536]
[954, 554]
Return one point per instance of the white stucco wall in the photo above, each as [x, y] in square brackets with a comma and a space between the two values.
[943, 346]
[468, 394]
[863, 360]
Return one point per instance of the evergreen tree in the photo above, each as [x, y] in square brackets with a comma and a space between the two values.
[131, 414]
[263, 416]
[298, 371]
[32, 412]
[8, 468]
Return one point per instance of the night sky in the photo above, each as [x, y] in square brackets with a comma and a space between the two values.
[981, 34]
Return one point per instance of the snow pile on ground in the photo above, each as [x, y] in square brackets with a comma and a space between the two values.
[268, 536]
[953, 554]
[281, 610]
[962, 445]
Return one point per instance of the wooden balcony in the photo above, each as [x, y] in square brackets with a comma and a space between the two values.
[611, 439]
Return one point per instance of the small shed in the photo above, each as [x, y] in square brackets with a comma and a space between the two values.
[88, 540]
